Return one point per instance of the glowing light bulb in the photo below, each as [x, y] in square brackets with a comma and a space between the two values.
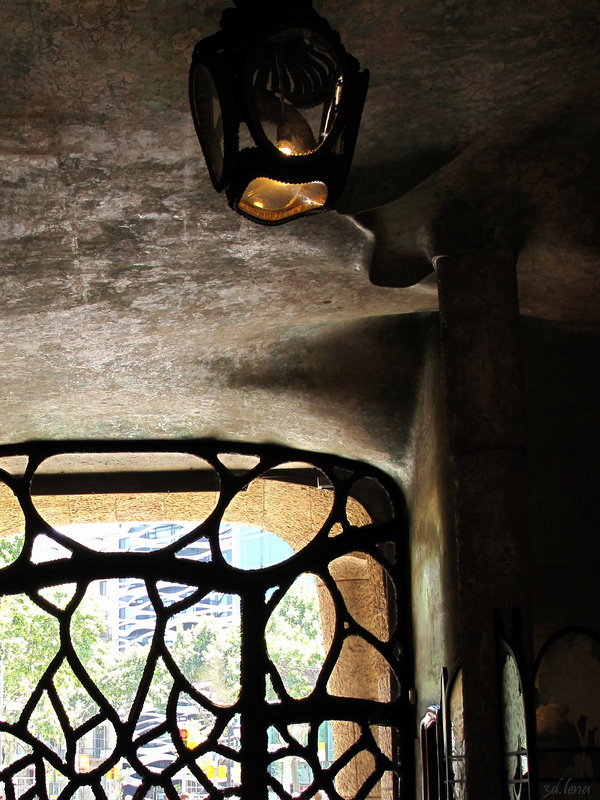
[285, 147]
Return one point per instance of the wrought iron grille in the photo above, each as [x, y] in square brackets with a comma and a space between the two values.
[242, 733]
[516, 721]
[454, 740]
[432, 754]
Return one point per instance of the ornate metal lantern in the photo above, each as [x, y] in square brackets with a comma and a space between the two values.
[276, 102]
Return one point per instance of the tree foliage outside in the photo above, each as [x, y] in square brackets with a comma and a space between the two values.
[10, 547]
[30, 642]
[295, 639]
[207, 654]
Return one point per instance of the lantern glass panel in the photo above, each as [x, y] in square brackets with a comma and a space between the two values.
[274, 201]
[297, 85]
[209, 118]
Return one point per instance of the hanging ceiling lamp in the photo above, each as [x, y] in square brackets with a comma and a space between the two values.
[276, 102]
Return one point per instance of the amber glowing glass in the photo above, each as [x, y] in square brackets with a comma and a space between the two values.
[273, 201]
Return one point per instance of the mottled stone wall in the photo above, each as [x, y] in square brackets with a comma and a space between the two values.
[433, 555]
[432, 548]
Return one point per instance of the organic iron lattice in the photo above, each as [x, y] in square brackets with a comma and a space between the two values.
[516, 755]
[454, 739]
[367, 729]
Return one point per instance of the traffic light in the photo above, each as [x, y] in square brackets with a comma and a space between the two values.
[189, 743]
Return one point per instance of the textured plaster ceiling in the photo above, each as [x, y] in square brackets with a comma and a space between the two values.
[135, 304]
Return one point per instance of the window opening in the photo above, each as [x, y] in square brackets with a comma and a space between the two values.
[324, 597]
[566, 674]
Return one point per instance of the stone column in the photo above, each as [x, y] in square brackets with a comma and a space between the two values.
[479, 314]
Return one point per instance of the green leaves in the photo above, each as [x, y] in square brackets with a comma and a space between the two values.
[207, 654]
[31, 641]
[10, 547]
[295, 639]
